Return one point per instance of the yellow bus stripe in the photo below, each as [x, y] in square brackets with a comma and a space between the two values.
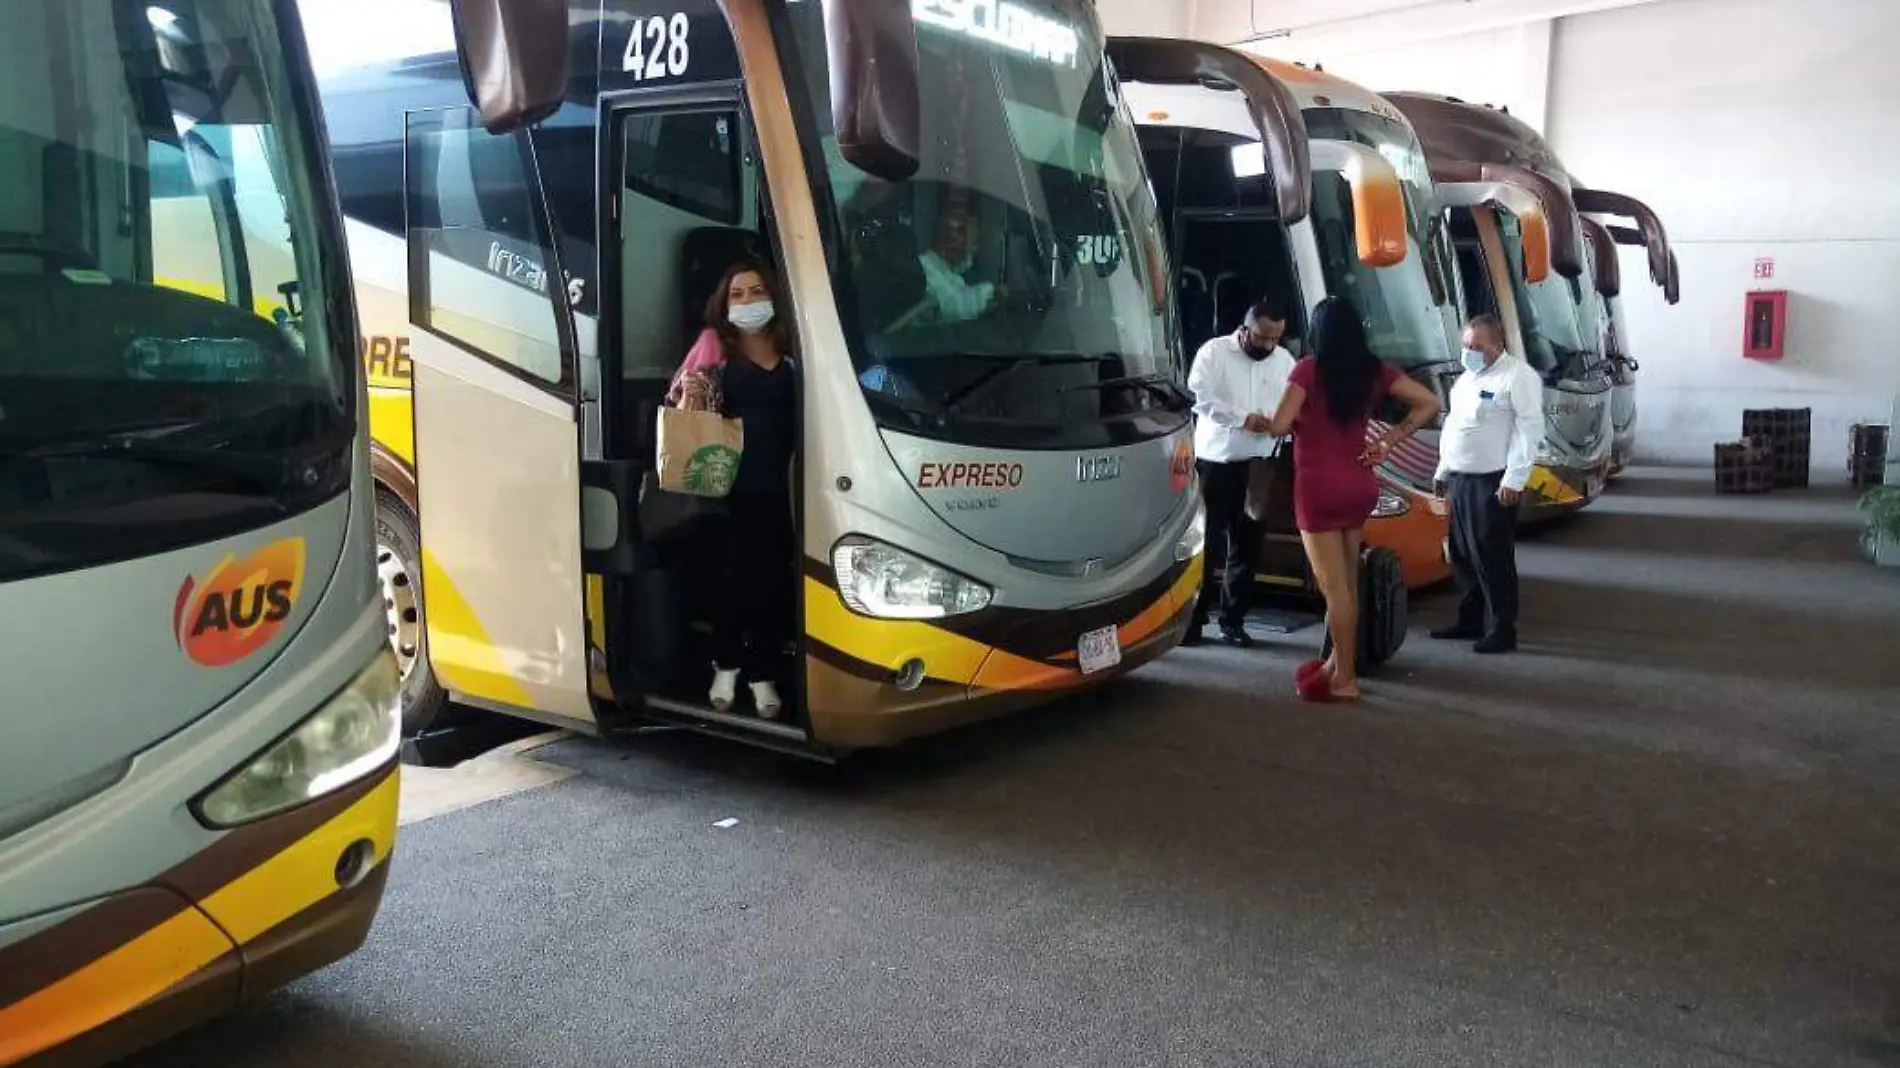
[111, 986]
[304, 874]
[889, 643]
[953, 658]
[170, 953]
[460, 650]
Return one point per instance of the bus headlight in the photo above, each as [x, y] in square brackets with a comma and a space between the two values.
[876, 579]
[353, 734]
[1392, 504]
[1194, 538]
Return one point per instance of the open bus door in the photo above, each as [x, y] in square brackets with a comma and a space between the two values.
[496, 401]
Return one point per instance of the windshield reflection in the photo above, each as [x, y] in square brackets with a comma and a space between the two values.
[1028, 234]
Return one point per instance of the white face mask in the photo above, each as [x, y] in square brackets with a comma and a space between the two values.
[753, 317]
[1473, 360]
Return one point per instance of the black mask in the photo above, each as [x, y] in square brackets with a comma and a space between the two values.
[1254, 351]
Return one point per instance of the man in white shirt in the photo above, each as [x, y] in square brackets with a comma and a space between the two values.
[1237, 380]
[1492, 429]
[945, 264]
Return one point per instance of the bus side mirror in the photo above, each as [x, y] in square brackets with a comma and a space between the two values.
[1378, 201]
[1535, 230]
[514, 58]
[874, 76]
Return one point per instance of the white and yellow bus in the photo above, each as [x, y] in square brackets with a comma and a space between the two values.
[991, 512]
[198, 705]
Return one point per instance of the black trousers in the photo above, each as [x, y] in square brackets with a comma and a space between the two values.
[1484, 555]
[1233, 545]
[752, 619]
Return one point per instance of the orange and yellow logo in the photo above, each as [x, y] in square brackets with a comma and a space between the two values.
[240, 606]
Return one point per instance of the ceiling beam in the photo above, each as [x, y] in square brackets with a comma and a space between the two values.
[1247, 22]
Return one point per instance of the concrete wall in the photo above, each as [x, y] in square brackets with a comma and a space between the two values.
[1151, 18]
[1757, 128]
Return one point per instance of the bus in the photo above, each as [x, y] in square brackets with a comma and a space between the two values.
[1649, 235]
[1277, 179]
[992, 510]
[198, 789]
[1551, 322]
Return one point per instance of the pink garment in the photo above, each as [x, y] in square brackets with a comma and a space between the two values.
[707, 353]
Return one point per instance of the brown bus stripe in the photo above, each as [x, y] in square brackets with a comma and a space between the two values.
[48, 956]
[39, 960]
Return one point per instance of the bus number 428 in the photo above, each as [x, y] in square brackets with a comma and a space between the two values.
[657, 48]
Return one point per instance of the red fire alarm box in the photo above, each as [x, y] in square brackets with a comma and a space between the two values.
[1765, 324]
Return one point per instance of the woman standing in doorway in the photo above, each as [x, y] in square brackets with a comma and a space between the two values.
[749, 375]
[1330, 397]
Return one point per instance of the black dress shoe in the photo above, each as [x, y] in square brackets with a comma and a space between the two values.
[1457, 633]
[1236, 637]
[1495, 643]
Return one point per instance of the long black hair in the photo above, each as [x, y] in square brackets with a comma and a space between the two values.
[1347, 367]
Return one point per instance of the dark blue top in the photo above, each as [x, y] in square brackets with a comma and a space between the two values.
[767, 403]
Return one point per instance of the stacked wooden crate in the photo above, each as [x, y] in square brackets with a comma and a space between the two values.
[1790, 435]
[1745, 466]
[1867, 454]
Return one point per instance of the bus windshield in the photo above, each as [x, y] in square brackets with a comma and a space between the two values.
[1550, 312]
[1011, 291]
[1402, 305]
[1403, 323]
[160, 384]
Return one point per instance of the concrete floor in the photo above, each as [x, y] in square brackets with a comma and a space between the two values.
[1668, 832]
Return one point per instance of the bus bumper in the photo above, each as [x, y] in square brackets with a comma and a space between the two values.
[974, 669]
[1419, 535]
[264, 904]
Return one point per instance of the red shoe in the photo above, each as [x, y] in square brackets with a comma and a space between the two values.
[1316, 687]
[1300, 673]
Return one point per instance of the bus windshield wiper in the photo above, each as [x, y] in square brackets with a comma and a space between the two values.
[951, 400]
[263, 473]
[1159, 385]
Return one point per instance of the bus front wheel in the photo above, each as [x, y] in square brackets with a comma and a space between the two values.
[399, 574]
[1383, 609]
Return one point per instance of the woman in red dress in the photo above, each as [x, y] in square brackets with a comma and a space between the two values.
[1330, 397]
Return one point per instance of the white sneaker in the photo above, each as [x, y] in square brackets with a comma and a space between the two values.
[765, 699]
[725, 685]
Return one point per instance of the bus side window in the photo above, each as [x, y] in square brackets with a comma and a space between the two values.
[478, 245]
[688, 209]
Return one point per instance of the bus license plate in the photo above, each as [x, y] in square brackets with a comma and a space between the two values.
[1099, 650]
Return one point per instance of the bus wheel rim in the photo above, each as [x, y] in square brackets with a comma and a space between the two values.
[402, 606]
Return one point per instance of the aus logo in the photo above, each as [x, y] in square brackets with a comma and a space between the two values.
[237, 607]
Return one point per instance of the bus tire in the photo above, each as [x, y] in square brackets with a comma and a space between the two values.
[1384, 609]
[399, 577]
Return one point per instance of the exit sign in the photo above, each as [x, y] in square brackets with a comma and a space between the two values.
[1764, 267]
